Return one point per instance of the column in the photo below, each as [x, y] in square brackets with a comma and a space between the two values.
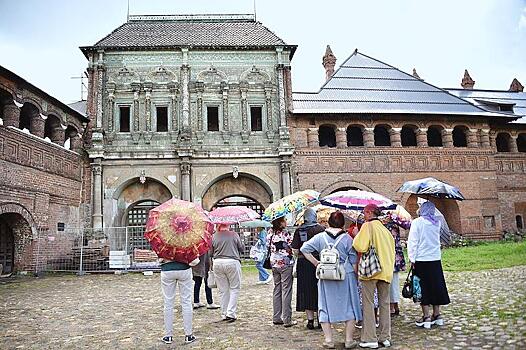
[285, 178]
[136, 125]
[513, 144]
[37, 124]
[96, 169]
[484, 138]
[224, 91]
[268, 102]
[368, 137]
[199, 88]
[395, 137]
[58, 135]
[341, 138]
[173, 113]
[421, 137]
[243, 88]
[447, 138]
[185, 101]
[472, 138]
[185, 180]
[281, 94]
[148, 106]
[100, 88]
[11, 115]
[493, 140]
[111, 107]
[312, 138]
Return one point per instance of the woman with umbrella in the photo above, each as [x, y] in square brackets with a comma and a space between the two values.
[423, 249]
[226, 253]
[307, 286]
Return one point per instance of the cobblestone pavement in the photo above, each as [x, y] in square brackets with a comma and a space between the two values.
[125, 311]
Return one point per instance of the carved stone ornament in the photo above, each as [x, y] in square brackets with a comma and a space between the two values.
[162, 75]
[142, 177]
[212, 76]
[235, 171]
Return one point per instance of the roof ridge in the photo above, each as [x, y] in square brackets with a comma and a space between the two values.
[337, 70]
[113, 31]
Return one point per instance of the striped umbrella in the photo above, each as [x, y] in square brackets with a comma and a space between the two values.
[357, 200]
[290, 204]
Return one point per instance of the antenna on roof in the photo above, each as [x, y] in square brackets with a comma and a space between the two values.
[128, 13]
[82, 85]
[255, 17]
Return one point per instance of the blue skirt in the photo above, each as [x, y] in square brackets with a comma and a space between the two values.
[339, 301]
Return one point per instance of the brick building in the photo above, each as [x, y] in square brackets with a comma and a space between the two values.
[41, 168]
[372, 127]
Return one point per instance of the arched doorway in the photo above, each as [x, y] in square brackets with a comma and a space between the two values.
[14, 231]
[448, 207]
[245, 186]
[346, 188]
[138, 212]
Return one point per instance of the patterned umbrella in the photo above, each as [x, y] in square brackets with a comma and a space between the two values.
[322, 214]
[179, 230]
[357, 200]
[232, 215]
[290, 204]
[399, 216]
[255, 224]
[431, 187]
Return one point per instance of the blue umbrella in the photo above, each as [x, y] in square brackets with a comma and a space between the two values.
[430, 186]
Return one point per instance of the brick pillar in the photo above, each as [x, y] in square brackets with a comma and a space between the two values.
[58, 136]
[301, 139]
[473, 141]
[421, 137]
[395, 137]
[368, 137]
[312, 138]
[341, 138]
[493, 140]
[11, 115]
[37, 124]
[484, 138]
[513, 144]
[447, 138]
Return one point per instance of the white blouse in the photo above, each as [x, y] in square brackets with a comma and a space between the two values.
[423, 243]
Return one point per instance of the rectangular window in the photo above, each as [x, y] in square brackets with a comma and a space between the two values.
[162, 119]
[61, 226]
[489, 222]
[256, 118]
[124, 118]
[212, 117]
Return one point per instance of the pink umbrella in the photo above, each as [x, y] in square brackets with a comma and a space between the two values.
[232, 215]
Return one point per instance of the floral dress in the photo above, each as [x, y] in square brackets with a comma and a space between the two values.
[399, 264]
[280, 248]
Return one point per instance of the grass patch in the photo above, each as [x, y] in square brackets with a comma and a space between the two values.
[490, 255]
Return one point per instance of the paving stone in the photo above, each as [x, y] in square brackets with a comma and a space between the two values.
[125, 312]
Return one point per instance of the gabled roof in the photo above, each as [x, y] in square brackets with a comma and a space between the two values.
[201, 31]
[363, 84]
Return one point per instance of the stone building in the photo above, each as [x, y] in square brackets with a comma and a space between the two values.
[372, 127]
[200, 117]
[41, 168]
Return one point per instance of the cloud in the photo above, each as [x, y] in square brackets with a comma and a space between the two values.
[522, 20]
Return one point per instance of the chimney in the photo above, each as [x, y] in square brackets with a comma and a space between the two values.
[467, 82]
[329, 61]
[516, 86]
[415, 74]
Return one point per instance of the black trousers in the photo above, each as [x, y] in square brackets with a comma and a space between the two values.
[197, 290]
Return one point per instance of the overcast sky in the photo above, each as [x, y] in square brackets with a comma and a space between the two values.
[39, 40]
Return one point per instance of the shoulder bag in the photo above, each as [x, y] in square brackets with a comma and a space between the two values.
[407, 289]
[369, 262]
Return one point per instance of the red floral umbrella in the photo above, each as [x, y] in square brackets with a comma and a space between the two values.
[232, 214]
[179, 230]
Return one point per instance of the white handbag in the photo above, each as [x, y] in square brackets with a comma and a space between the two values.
[211, 281]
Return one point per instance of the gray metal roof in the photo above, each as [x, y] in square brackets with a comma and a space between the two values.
[363, 84]
[491, 99]
[79, 106]
[190, 31]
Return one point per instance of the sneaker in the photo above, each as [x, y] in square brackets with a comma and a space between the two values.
[386, 343]
[277, 323]
[350, 344]
[369, 345]
[290, 324]
[310, 324]
[229, 319]
[198, 305]
[437, 320]
[168, 340]
[424, 322]
[267, 281]
[261, 282]
[189, 339]
[358, 325]
[213, 306]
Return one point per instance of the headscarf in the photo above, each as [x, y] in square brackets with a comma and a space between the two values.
[427, 211]
[309, 220]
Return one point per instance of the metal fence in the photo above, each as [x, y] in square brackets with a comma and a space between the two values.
[113, 248]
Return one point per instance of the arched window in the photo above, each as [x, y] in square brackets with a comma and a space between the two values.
[354, 136]
[503, 142]
[138, 214]
[521, 142]
[408, 136]
[519, 222]
[327, 136]
[434, 136]
[26, 112]
[459, 137]
[381, 136]
[52, 128]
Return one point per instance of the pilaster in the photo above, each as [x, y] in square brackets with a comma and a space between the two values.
[285, 177]
[312, 137]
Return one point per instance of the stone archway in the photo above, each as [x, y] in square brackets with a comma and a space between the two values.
[343, 186]
[16, 234]
[243, 186]
[448, 207]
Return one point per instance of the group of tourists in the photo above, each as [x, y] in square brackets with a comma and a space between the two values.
[343, 275]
